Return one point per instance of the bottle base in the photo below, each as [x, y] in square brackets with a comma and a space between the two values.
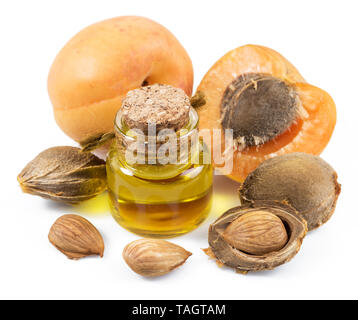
[165, 220]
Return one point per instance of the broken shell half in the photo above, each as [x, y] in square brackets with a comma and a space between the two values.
[244, 262]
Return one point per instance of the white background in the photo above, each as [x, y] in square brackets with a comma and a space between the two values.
[318, 37]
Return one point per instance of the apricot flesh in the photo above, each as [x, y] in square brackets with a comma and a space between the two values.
[93, 72]
[310, 132]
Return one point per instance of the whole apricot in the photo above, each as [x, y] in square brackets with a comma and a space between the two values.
[93, 72]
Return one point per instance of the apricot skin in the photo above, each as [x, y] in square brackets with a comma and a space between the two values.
[93, 72]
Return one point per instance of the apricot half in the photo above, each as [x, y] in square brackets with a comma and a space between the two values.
[270, 108]
[93, 72]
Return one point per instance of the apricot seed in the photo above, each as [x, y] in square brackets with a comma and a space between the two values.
[257, 232]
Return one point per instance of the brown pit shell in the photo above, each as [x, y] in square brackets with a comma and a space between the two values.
[243, 262]
[304, 181]
[258, 107]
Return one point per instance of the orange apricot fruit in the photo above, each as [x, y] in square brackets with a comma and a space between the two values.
[97, 67]
[269, 106]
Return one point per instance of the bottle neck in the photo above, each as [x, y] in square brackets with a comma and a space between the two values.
[157, 155]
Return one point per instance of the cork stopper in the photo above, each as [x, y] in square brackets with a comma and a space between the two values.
[164, 105]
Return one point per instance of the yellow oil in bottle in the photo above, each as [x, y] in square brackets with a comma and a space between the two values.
[159, 208]
[159, 181]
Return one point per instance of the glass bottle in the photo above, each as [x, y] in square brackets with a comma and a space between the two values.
[159, 199]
